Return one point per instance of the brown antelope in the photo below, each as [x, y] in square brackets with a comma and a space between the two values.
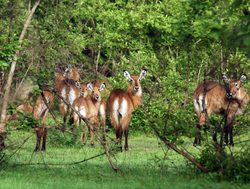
[121, 104]
[228, 100]
[42, 105]
[102, 108]
[88, 108]
[68, 87]
[40, 111]
[23, 108]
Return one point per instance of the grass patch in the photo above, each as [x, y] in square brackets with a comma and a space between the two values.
[146, 165]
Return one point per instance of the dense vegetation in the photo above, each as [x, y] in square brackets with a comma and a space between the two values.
[179, 43]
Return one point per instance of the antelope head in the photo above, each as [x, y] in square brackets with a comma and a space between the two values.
[72, 73]
[236, 87]
[135, 85]
[95, 90]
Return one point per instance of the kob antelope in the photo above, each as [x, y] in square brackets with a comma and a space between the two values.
[42, 105]
[40, 111]
[102, 108]
[228, 100]
[121, 104]
[68, 87]
[88, 107]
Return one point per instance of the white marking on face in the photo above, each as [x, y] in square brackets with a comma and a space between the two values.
[115, 110]
[72, 96]
[124, 108]
[139, 92]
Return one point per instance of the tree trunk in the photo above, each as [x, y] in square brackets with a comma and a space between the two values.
[11, 73]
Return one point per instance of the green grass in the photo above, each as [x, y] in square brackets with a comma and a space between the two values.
[145, 165]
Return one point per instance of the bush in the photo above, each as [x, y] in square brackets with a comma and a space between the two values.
[226, 165]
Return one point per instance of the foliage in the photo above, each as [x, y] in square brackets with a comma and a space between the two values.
[24, 122]
[179, 42]
[227, 165]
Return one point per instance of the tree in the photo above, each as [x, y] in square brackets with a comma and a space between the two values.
[11, 73]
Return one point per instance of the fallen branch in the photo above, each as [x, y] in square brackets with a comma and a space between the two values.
[99, 138]
[182, 152]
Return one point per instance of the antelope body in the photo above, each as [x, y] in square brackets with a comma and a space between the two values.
[42, 105]
[88, 107]
[68, 87]
[121, 104]
[229, 100]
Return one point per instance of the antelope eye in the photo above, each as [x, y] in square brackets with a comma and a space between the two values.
[236, 84]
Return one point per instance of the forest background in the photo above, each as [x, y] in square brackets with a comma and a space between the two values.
[179, 43]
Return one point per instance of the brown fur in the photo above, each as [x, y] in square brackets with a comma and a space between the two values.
[217, 102]
[42, 105]
[73, 73]
[24, 108]
[65, 85]
[41, 135]
[121, 100]
[103, 105]
[88, 107]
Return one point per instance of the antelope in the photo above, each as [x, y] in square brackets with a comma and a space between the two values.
[88, 108]
[22, 108]
[103, 104]
[228, 100]
[40, 111]
[42, 105]
[121, 104]
[68, 87]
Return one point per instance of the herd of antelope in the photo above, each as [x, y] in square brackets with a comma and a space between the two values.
[83, 101]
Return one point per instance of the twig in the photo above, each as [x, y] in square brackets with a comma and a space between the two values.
[179, 151]
[64, 164]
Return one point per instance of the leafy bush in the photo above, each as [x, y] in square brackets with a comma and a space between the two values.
[227, 165]
[24, 122]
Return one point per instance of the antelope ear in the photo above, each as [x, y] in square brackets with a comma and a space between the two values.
[225, 79]
[243, 78]
[78, 84]
[90, 86]
[70, 66]
[102, 87]
[142, 74]
[127, 75]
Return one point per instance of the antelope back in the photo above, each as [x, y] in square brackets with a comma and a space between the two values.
[25, 108]
[59, 77]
